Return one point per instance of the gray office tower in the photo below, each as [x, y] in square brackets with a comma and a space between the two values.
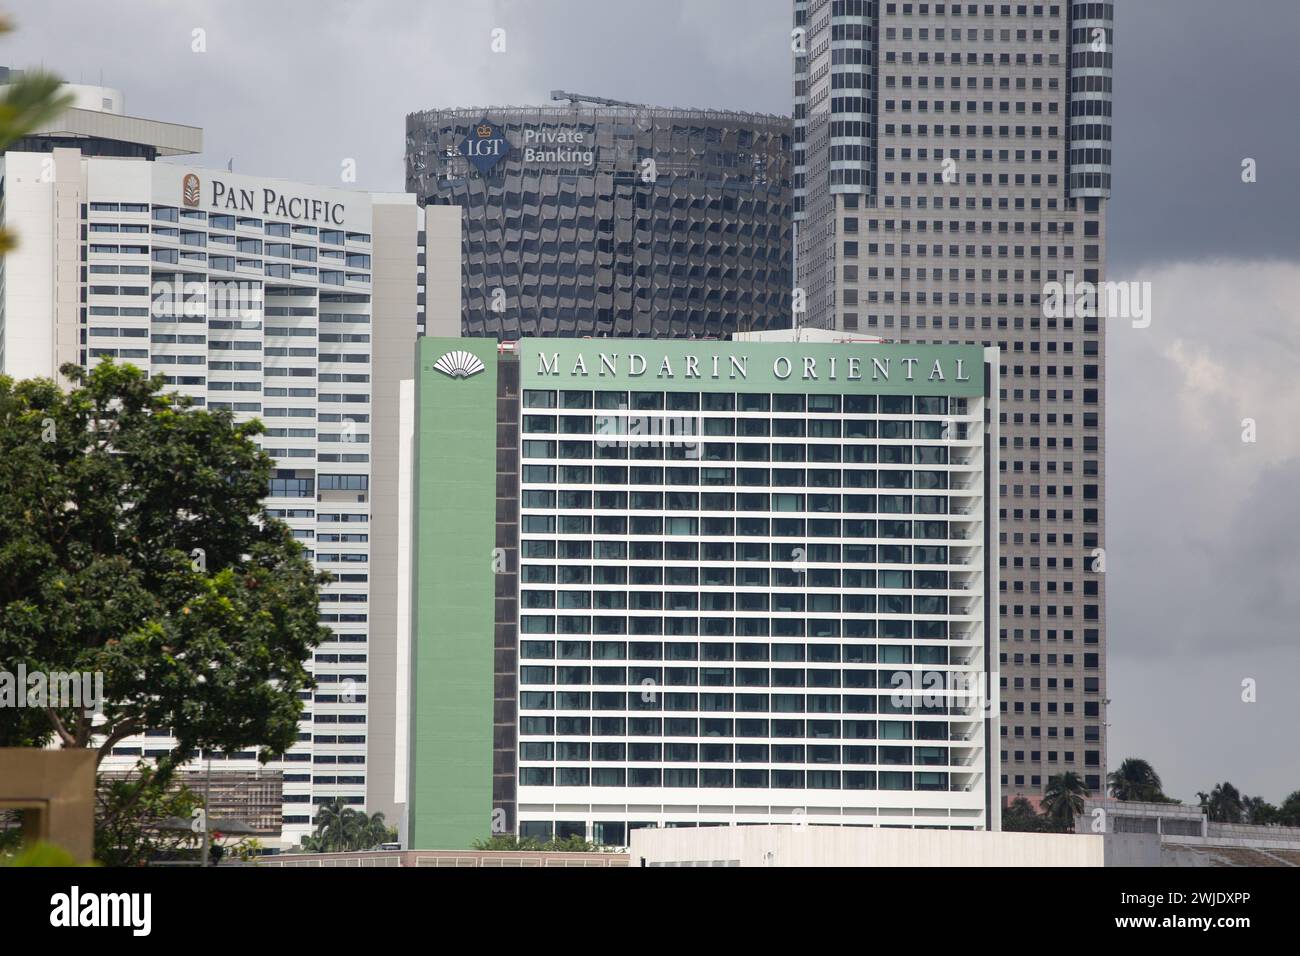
[952, 172]
[602, 218]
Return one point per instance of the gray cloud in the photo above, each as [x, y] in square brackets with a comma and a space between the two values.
[1200, 85]
[1202, 557]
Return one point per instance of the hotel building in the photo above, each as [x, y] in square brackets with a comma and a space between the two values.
[288, 302]
[951, 161]
[698, 583]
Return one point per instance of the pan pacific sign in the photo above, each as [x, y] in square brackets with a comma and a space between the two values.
[956, 370]
[268, 201]
[272, 199]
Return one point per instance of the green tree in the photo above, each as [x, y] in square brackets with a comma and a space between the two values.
[1136, 779]
[1223, 804]
[1288, 814]
[505, 842]
[1063, 800]
[377, 831]
[1259, 812]
[29, 102]
[1019, 816]
[333, 824]
[134, 544]
[339, 828]
[130, 815]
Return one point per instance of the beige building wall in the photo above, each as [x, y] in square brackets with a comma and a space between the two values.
[442, 290]
[395, 269]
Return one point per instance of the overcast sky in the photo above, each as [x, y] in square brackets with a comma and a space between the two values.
[1203, 560]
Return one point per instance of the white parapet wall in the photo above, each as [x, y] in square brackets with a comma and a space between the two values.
[858, 846]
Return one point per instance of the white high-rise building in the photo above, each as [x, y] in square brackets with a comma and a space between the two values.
[292, 303]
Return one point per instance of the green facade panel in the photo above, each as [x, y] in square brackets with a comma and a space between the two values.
[450, 771]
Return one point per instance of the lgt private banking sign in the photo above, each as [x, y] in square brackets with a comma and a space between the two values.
[954, 370]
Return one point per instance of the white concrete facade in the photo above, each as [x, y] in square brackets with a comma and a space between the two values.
[859, 846]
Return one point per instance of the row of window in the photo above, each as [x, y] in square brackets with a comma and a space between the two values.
[748, 778]
[624, 428]
[744, 402]
[539, 625]
[728, 551]
[674, 752]
[972, 9]
[650, 698]
[749, 502]
[726, 651]
[687, 476]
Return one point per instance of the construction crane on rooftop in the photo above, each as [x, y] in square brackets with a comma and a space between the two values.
[596, 100]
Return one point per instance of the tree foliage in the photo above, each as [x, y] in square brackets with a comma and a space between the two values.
[1019, 816]
[1136, 779]
[572, 844]
[134, 543]
[339, 828]
[129, 818]
[1063, 800]
[1226, 804]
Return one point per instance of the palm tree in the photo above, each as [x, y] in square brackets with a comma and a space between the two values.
[1223, 804]
[1063, 800]
[375, 832]
[340, 828]
[1259, 812]
[334, 825]
[1019, 816]
[1289, 812]
[1136, 780]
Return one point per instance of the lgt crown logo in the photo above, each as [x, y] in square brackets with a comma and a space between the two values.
[485, 146]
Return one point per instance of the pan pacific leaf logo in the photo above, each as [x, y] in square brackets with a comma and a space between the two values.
[459, 364]
[190, 190]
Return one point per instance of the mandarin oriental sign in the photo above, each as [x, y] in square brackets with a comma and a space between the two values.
[754, 366]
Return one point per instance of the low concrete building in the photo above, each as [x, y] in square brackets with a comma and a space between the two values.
[1175, 834]
[370, 859]
[859, 846]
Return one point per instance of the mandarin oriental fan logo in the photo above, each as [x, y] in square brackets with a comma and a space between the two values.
[459, 364]
[190, 190]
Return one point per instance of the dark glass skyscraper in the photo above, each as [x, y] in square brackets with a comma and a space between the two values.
[601, 220]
